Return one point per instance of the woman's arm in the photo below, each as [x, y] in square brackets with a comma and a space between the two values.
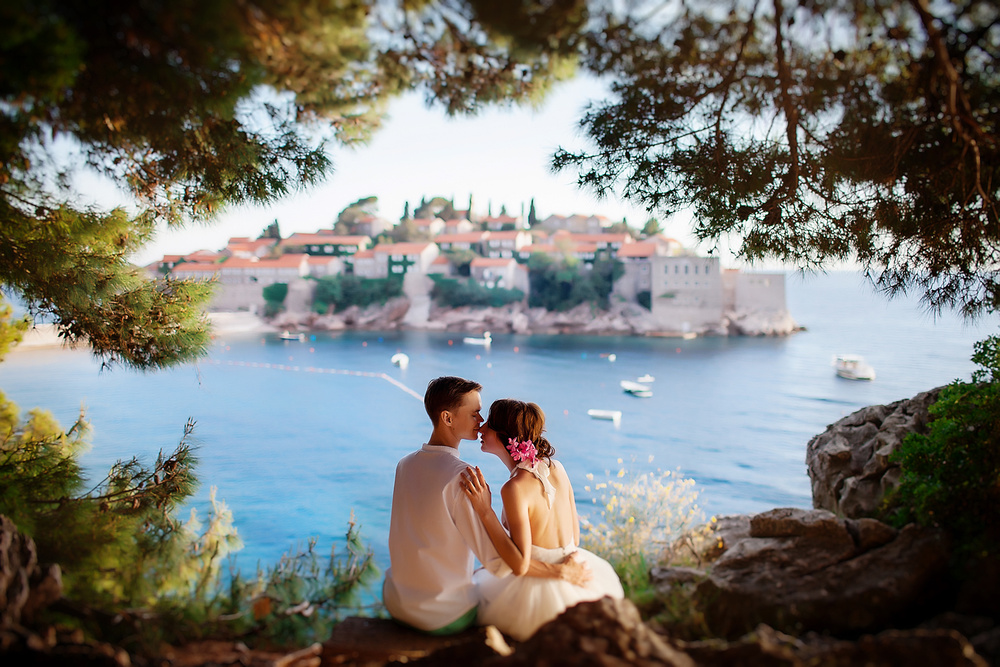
[518, 559]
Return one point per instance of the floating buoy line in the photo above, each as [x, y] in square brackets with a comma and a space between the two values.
[313, 369]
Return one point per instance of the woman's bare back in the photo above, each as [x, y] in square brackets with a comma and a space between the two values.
[555, 526]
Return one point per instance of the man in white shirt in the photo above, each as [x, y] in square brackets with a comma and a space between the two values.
[434, 533]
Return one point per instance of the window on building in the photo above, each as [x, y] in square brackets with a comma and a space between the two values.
[686, 267]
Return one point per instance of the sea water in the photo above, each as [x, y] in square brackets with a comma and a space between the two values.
[298, 437]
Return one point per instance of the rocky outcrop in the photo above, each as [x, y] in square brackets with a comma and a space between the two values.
[849, 462]
[759, 323]
[802, 570]
[620, 319]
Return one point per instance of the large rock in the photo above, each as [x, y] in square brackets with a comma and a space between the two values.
[25, 586]
[766, 647]
[603, 632]
[802, 570]
[849, 462]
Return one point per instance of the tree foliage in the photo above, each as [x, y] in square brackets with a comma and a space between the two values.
[811, 133]
[343, 291]
[189, 107]
[560, 284]
[454, 293]
[951, 475]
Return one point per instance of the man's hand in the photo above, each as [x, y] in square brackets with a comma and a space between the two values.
[574, 570]
[477, 490]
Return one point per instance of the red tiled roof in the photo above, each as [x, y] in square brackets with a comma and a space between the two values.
[441, 259]
[363, 254]
[426, 222]
[288, 261]
[585, 247]
[323, 239]
[539, 247]
[492, 261]
[644, 249]
[601, 238]
[413, 248]
[463, 237]
[505, 236]
[198, 267]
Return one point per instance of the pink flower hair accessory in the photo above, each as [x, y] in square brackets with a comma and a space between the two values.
[523, 451]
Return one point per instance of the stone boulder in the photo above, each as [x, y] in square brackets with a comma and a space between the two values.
[766, 647]
[802, 570]
[603, 632]
[760, 323]
[849, 462]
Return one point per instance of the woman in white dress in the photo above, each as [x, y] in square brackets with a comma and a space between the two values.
[540, 512]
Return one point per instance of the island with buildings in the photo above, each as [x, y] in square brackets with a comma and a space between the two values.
[659, 287]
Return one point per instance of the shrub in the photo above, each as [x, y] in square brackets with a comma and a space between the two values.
[645, 299]
[343, 291]
[640, 517]
[125, 553]
[452, 293]
[561, 286]
[950, 477]
[274, 298]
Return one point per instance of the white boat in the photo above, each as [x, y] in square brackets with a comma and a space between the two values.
[486, 339]
[636, 389]
[853, 367]
[645, 379]
[610, 415]
[287, 335]
[400, 359]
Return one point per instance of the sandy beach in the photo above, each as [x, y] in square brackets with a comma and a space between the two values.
[46, 336]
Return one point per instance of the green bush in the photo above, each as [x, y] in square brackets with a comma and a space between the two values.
[452, 293]
[274, 298]
[645, 299]
[951, 476]
[563, 285]
[343, 291]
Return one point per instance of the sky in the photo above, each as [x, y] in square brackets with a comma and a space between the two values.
[499, 157]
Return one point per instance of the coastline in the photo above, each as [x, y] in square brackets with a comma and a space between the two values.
[581, 320]
[46, 336]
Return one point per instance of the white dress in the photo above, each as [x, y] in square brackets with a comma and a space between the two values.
[518, 606]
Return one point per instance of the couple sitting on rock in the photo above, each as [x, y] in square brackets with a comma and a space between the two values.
[442, 520]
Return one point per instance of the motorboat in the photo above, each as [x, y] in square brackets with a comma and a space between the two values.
[645, 379]
[400, 359]
[853, 367]
[610, 415]
[485, 339]
[288, 335]
[636, 389]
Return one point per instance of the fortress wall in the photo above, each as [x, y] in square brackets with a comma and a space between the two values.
[760, 292]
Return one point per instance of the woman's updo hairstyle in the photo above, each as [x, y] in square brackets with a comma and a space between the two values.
[521, 421]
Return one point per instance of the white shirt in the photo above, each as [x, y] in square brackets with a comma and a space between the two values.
[434, 535]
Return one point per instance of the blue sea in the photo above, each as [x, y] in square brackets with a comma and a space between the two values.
[295, 446]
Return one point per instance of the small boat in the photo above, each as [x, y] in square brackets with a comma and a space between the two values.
[636, 389]
[645, 379]
[486, 339]
[610, 415]
[853, 367]
[400, 359]
[287, 335]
